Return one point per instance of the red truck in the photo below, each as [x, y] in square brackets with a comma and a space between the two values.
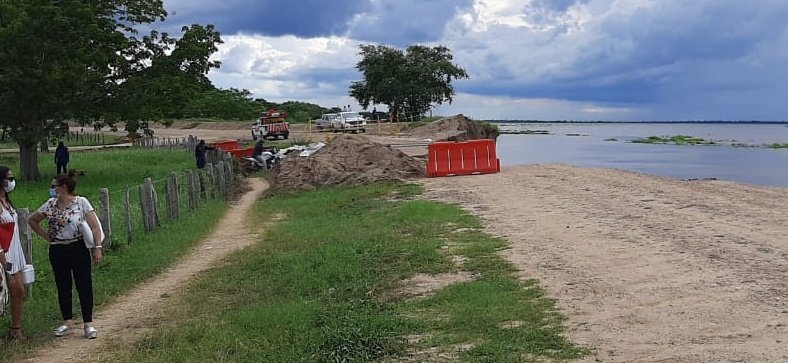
[271, 124]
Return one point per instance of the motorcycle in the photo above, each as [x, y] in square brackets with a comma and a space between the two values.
[265, 161]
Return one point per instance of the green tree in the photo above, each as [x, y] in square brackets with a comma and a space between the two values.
[174, 80]
[83, 60]
[410, 81]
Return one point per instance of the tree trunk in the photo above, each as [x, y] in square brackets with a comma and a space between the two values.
[28, 161]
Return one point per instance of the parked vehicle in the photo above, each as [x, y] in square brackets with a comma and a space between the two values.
[266, 161]
[271, 124]
[342, 122]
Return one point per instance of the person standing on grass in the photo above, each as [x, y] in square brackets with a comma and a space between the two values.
[11, 257]
[199, 153]
[68, 253]
[61, 158]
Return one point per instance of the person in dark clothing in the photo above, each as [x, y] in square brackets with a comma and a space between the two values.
[61, 158]
[199, 153]
[258, 148]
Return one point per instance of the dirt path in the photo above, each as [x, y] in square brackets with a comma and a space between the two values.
[122, 320]
[647, 269]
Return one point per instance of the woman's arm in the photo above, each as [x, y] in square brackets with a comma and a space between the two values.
[98, 251]
[34, 221]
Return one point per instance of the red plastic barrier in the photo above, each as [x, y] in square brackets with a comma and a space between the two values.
[462, 158]
[225, 145]
[242, 153]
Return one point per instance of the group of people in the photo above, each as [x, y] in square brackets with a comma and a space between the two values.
[69, 255]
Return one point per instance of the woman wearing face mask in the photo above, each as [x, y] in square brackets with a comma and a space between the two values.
[11, 255]
[67, 251]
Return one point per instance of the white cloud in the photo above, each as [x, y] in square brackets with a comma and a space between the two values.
[552, 59]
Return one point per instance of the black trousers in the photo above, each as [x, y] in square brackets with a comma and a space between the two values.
[72, 262]
[61, 167]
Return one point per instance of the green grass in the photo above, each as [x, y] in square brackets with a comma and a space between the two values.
[124, 265]
[675, 140]
[324, 285]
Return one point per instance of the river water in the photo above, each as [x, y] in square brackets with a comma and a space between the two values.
[609, 145]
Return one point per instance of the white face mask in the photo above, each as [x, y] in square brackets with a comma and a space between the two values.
[10, 185]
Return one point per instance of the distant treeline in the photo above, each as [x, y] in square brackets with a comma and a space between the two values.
[234, 104]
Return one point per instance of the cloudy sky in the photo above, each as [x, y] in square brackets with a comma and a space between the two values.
[527, 59]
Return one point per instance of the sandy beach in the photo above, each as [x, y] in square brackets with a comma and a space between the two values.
[646, 269]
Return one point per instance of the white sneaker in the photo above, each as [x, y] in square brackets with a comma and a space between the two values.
[91, 332]
[62, 330]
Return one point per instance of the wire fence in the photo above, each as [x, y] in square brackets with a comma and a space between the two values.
[134, 210]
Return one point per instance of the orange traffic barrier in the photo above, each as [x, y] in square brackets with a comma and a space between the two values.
[225, 145]
[462, 158]
[242, 153]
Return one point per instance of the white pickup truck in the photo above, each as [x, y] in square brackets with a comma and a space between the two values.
[342, 122]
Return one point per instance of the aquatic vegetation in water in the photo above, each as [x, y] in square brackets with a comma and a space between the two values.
[778, 146]
[675, 140]
[526, 132]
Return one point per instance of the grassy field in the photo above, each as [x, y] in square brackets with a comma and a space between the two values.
[326, 285]
[124, 266]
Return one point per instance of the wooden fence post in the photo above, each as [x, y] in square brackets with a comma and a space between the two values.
[211, 184]
[127, 208]
[150, 213]
[105, 217]
[168, 204]
[176, 188]
[190, 185]
[201, 176]
[222, 185]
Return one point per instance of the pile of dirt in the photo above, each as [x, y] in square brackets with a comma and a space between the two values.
[346, 160]
[454, 128]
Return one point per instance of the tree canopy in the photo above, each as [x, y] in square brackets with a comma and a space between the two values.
[410, 81]
[85, 61]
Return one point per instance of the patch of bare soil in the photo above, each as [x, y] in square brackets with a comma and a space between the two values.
[647, 269]
[346, 160]
[454, 128]
[425, 284]
[127, 317]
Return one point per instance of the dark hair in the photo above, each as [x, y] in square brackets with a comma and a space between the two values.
[3, 176]
[68, 180]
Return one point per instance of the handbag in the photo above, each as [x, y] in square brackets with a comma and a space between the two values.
[87, 232]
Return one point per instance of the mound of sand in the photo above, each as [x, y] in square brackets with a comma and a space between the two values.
[346, 160]
[454, 128]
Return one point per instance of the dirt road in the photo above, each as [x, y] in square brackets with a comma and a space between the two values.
[127, 317]
[647, 269]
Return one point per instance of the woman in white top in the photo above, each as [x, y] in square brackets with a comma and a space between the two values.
[68, 254]
[11, 256]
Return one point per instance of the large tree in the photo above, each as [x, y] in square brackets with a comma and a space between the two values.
[84, 60]
[411, 80]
